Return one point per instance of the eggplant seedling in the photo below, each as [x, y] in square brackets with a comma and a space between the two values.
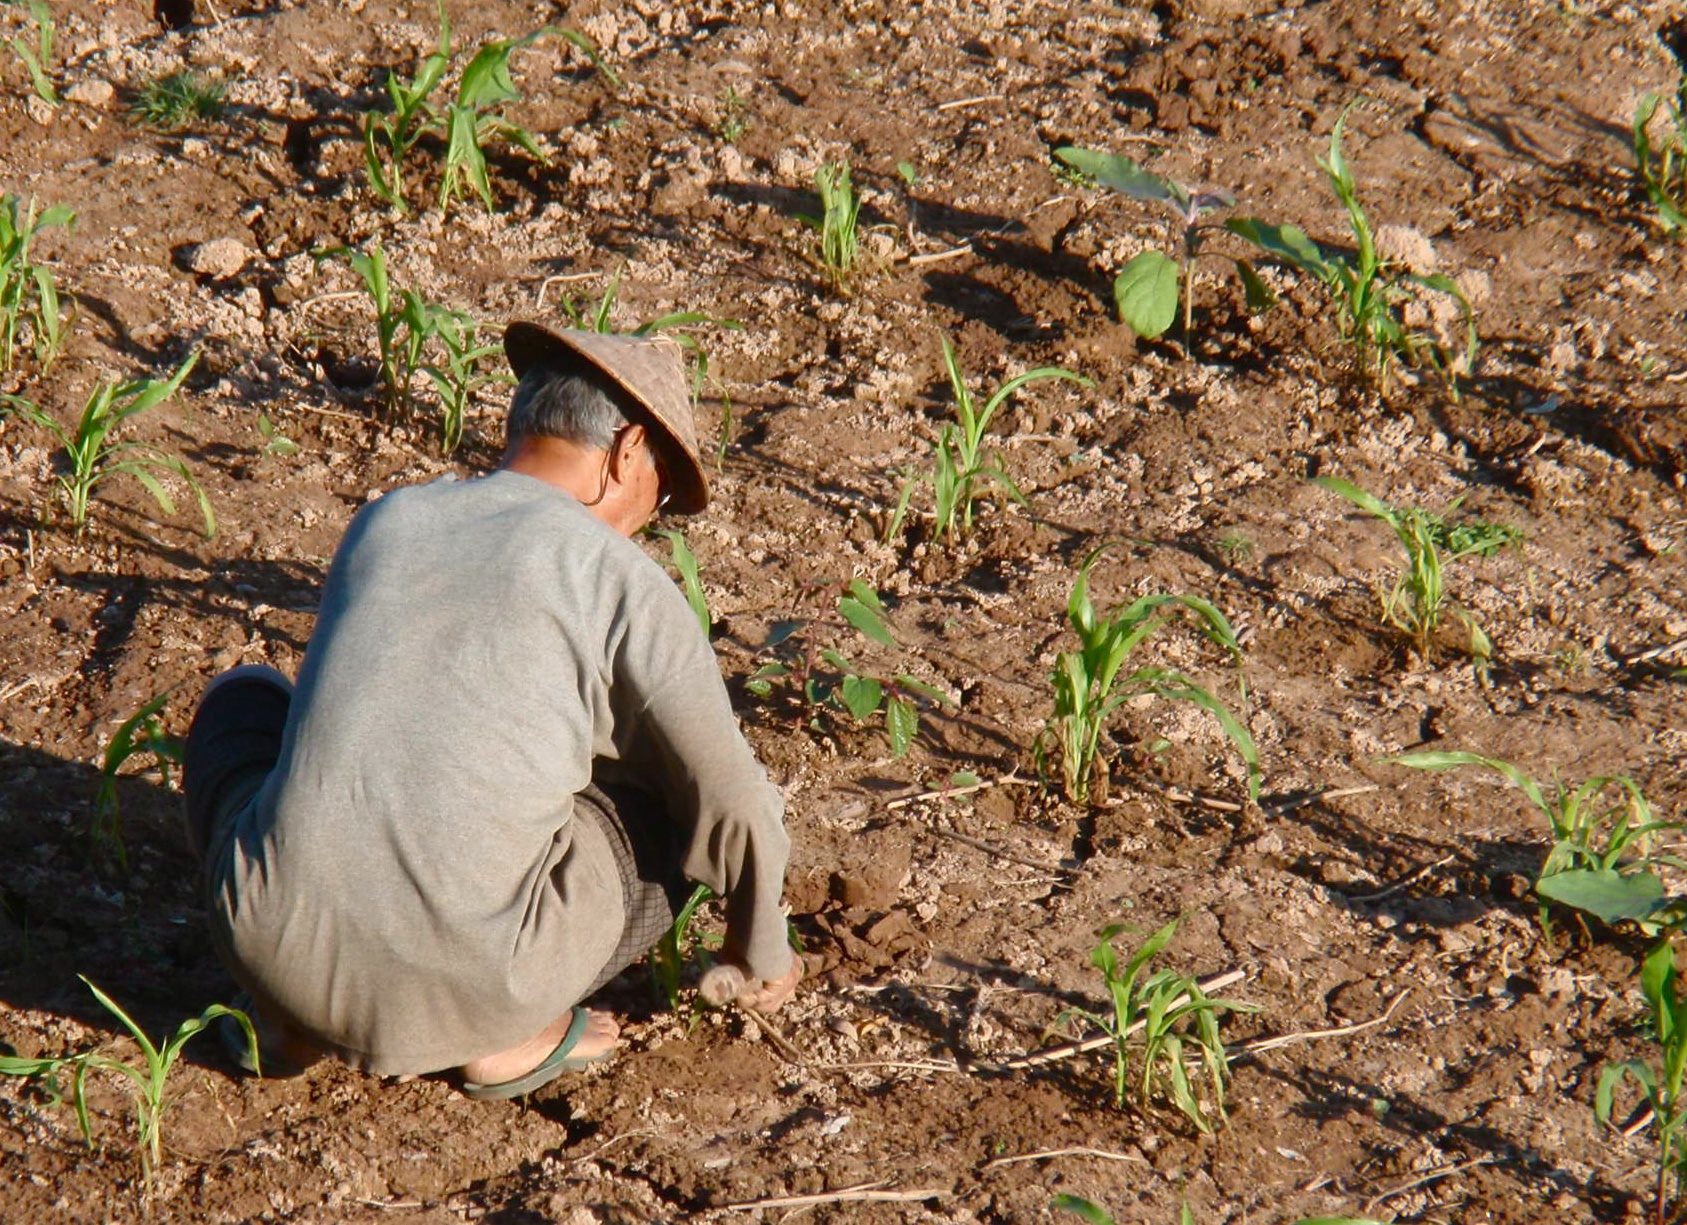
[1146, 292]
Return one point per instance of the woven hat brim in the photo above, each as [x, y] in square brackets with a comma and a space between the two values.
[649, 370]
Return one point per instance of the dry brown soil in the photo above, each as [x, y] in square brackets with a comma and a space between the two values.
[1493, 142]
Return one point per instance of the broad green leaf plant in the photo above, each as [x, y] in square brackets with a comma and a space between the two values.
[1601, 861]
[823, 678]
[1147, 290]
[1089, 687]
[92, 455]
[961, 467]
[1367, 289]
[149, 1078]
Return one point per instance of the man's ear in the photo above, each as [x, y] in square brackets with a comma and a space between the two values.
[622, 451]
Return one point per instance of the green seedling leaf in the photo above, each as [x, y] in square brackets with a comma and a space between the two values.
[861, 695]
[1286, 242]
[865, 617]
[1146, 293]
[1122, 174]
[1605, 894]
[1259, 295]
[902, 720]
[1082, 1207]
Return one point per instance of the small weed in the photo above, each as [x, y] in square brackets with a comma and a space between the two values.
[179, 100]
[1146, 292]
[680, 945]
[960, 467]
[29, 299]
[38, 59]
[1096, 1215]
[1088, 687]
[1601, 860]
[93, 456]
[1172, 1014]
[1236, 546]
[141, 732]
[840, 207]
[1418, 600]
[824, 678]
[685, 561]
[1368, 290]
[1662, 165]
[149, 1079]
[732, 117]
[275, 443]
[1661, 1084]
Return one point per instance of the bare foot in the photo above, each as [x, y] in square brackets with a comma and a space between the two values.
[602, 1033]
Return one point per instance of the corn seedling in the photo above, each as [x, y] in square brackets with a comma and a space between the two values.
[1147, 290]
[1661, 1084]
[960, 466]
[1368, 290]
[149, 1079]
[38, 59]
[685, 562]
[840, 210]
[461, 374]
[1173, 1016]
[1088, 686]
[1418, 600]
[141, 732]
[92, 455]
[679, 945]
[29, 299]
[1662, 165]
[178, 100]
[1601, 861]
[404, 323]
[464, 125]
[824, 678]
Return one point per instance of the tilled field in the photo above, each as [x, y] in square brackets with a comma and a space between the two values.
[1441, 1050]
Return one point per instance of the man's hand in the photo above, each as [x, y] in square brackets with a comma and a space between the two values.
[768, 996]
[731, 980]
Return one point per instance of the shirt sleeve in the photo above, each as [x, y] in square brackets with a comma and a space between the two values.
[708, 774]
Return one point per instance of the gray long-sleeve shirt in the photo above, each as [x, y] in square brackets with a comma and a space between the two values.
[408, 883]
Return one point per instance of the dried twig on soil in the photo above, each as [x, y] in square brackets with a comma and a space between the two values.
[1179, 796]
[866, 1192]
[1656, 653]
[943, 793]
[915, 261]
[1428, 1176]
[1308, 1035]
[1037, 1058]
[1079, 1151]
[778, 1041]
[958, 103]
[1406, 883]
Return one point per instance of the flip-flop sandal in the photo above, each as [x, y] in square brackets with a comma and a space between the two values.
[238, 1051]
[556, 1063]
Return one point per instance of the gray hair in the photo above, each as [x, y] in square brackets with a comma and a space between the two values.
[553, 402]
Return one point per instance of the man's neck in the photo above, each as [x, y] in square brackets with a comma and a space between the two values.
[574, 468]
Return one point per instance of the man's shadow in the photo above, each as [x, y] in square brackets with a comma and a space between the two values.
[68, 907]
